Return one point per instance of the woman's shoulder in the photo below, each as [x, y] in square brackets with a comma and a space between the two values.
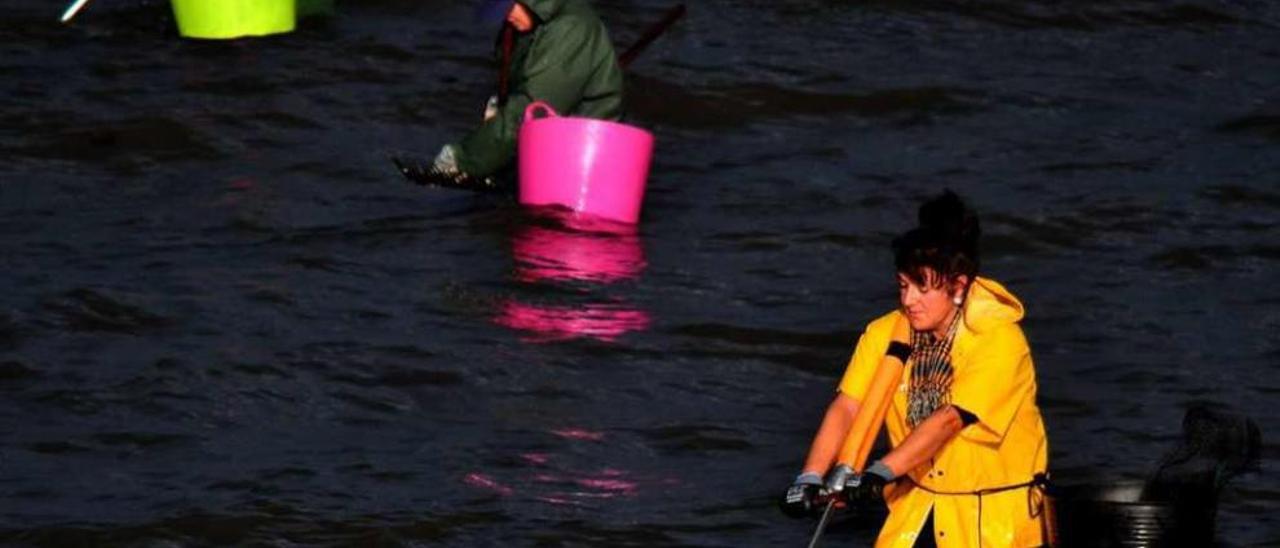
[883, 325]
[1003, 338]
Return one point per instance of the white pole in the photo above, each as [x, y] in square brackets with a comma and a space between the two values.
[71, 11]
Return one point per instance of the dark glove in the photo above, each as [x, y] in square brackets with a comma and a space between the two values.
[429, 175]
[802, 498]
[867, 491]
[860, 490]
[413, 170]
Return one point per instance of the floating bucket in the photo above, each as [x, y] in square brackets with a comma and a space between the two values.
[223, 19]
[1114, 515]
[590, 166]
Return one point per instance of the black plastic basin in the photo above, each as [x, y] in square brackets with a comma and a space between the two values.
[1115, 515]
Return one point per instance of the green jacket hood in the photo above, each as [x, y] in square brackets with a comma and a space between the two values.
[990, 305]
[546, 10]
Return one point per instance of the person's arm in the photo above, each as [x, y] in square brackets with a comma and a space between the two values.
[927, 439]
[860, 378]
[802, 497]
[830, 436]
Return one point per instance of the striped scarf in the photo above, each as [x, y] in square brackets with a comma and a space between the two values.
[931, 372]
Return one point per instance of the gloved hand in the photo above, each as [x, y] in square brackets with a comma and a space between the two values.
[802, 498]
[491, 108]
[446, 163]
[429, 175]
[865, 489]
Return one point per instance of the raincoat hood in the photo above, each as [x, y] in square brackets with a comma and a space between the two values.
[990, 305]
[546, 10]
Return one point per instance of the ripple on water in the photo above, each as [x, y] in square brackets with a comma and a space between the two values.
[660, 102]
[1240, 195]
[60, 447]
[1093, 16]
[130, 142]
[1212, 257]
[13, 371]
[86, 309]
[142, 440]
[393, 376]
[1262, 123]
[696, 439]
[80, 402]
[11, 332]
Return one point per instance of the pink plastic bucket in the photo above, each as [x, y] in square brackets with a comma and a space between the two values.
[588, 165]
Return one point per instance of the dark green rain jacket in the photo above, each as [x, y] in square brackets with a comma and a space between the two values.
[567, 61]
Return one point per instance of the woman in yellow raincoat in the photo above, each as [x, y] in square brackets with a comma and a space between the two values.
[969, 447]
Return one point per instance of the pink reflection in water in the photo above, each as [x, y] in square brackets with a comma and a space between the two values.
[559, 254]
[574, 248]
[549, 499]
[568, 479]
[548, 323]
[614, 486]
[535, 458]
[485, 482]
[578, 434]
[590, 486]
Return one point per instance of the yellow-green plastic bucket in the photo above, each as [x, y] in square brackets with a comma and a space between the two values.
[222, 19]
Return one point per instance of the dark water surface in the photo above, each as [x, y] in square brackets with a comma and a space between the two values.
[224, 320]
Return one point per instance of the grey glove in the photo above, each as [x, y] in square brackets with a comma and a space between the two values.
[860, 489]
[446, 163]
[839, 477]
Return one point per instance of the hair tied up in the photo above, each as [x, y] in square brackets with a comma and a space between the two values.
[946, 240]
[952, 221]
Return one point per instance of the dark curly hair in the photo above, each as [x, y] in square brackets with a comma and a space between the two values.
[946, 242]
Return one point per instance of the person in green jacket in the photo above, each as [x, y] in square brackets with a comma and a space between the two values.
[560, 53]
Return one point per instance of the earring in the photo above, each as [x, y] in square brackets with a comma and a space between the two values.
[957, 300]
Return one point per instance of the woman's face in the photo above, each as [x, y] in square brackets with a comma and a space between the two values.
[930, 305]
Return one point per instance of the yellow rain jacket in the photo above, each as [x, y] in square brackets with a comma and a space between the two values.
[995, 380]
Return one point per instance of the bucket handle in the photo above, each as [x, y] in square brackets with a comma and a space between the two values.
[533, 108]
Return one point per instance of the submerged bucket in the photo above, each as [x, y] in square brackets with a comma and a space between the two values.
[1115, 515]
[590, 166]
[223, 19]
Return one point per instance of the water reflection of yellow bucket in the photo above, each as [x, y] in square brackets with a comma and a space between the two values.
[221, 19]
